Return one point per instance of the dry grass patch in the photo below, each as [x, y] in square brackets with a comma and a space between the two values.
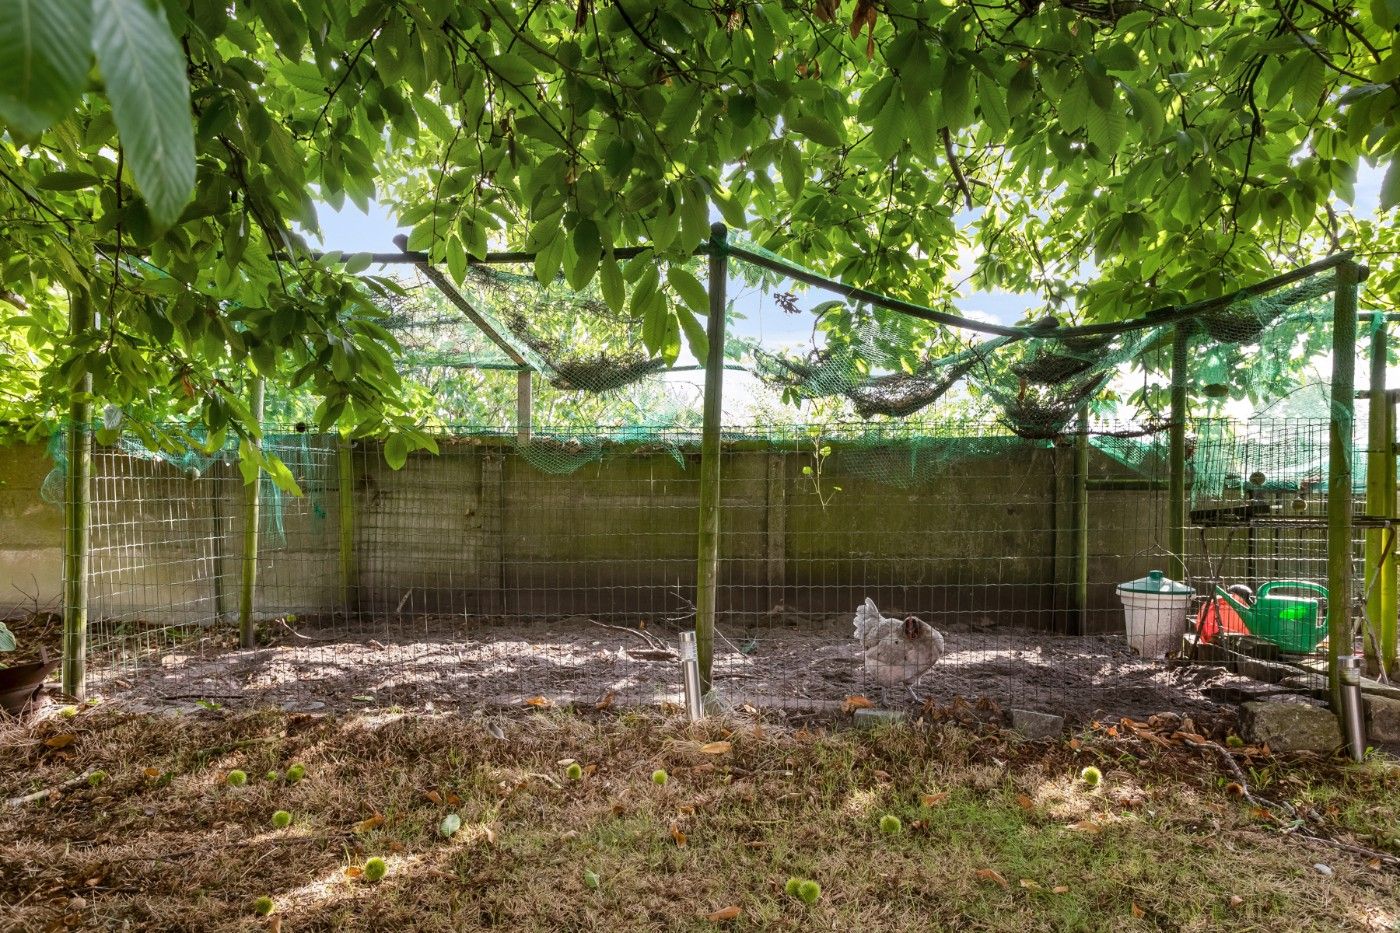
[992, 835]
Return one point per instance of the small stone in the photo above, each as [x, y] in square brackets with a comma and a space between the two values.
[873, 718]
[1324, 870]
[1383, 719]
[1290, 726]
[1036, 727]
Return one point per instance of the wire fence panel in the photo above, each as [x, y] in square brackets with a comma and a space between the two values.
[562, 570]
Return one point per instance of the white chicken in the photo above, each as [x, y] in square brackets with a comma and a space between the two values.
[896, 652]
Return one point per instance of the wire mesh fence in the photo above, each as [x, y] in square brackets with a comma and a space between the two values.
[561, 570]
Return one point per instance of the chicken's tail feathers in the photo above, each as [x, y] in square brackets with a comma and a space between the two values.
[867, 617]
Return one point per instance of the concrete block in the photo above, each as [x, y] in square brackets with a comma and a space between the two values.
[874, 718]
[1382, 719]
[1290, 726]
[1035, 726]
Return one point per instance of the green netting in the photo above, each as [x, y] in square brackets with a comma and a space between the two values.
[304, 456]
[580, 342]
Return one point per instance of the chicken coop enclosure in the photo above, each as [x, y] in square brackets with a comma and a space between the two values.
[530, 563]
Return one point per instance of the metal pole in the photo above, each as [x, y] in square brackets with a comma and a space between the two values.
[1378, 448]
[1176, 479]
[1081, 522]
[77, 512]
[1339, 478]
[707, 560]
[348, 570]
[246, 635]
[690, 671]
[1353, 713]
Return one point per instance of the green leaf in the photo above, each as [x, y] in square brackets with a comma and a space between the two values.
[993, 107]
[1117, 57]
[654, 326]
[396, 451]
[358, 262]
[7, 638]
[817, 130]
[1390, 185]
[1147, 109]
[512, 67]
[45, 50]
[587, 251]
[695, 336]
[456, 259]
[1074, 106]
[613, 287]
[1106, 126]
[144, 70]
[66, 181]
[689, 288]
[957, 97]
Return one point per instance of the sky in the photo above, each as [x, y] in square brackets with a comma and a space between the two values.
[351, 230]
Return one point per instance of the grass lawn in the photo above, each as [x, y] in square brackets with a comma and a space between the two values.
[993, 835]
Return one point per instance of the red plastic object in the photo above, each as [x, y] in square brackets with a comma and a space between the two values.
[1217, 616]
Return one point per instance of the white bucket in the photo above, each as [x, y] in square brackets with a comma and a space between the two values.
[1155, 611]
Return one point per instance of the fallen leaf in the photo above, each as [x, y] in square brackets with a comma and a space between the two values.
[757, 731]
[353, 871]
[434, 796]
[539, 702]
[1025, 802]
[882, 775]
[731, 912]
[1030, 885]
[933, 800]
[1236, 900]
[606, 701]
[677, 835]
[992, 875]
[853, 703]
[373, 822]
[1060, 889]
[668, 707]
[1138, 911]
[716, 748]
[62, 740]
[453, 800]
[152, 772]
[274, 923]
[1075, 744]
[1373, 864]
[685, 809]
[489, 834]
[1085, 826]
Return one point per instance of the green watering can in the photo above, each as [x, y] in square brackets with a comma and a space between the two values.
[1291, 622]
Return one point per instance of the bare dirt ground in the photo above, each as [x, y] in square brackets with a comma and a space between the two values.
[808, 665]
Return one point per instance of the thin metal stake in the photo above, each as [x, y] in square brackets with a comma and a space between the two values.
[690, 669]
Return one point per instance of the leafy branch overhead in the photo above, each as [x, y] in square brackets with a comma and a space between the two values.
[166, 157]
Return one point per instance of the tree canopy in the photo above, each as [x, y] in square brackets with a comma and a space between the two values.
[165, 159]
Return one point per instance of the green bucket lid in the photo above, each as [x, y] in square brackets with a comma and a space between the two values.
[1156, 582]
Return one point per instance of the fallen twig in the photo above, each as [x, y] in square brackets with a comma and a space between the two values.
[652, 641]
[50, 791]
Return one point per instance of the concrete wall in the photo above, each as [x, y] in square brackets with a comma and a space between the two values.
[479, 529]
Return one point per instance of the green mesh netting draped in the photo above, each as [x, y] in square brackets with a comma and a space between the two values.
[308, 458]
